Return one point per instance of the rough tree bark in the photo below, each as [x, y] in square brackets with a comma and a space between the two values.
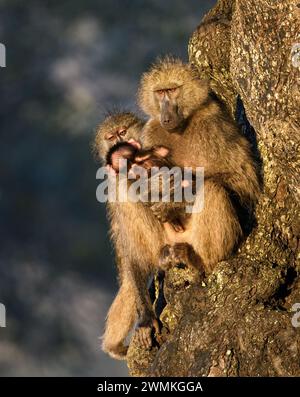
[239, 322]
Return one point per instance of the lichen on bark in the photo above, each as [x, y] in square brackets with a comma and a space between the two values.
[238, 323]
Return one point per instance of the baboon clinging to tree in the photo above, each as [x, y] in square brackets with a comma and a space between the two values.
[132, 227]
[185, 119]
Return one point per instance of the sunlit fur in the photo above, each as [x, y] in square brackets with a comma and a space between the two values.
[209, 138]
[137, 237]
[171, 73]
[110, 124]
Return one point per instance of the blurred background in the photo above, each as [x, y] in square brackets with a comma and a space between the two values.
[67, 62]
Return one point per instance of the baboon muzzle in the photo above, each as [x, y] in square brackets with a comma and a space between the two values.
[169, 117]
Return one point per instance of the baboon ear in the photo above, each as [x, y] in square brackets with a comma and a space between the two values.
[161, 151]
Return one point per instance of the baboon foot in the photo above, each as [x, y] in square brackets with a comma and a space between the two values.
[144, 334]
[180, 255]
[165, 259]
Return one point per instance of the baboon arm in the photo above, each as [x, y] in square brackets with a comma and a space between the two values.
[234, 163]
[214, 231]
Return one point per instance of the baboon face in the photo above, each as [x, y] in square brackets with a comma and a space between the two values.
[170, 115]
[171, 91]
[116, 135]
[116, 128]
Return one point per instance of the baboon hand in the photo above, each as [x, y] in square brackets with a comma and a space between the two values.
[144, 334]
[180, 255]
[160, 210]
[171, 213]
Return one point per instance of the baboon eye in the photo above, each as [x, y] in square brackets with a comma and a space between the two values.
[110, 137]
[160, 92]
[172, 89]
[123, 131]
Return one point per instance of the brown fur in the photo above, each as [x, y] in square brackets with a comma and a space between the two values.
[172, 73]
[132, 229]
[209, 139]
[111, 126]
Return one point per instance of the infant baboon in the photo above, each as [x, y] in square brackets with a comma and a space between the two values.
[199, 133]
[132, 152]
[155, 158]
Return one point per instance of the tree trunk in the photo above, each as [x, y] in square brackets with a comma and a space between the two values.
[239, 323]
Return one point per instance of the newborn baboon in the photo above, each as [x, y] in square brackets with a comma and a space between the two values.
[132, 152]
[156, 162]
[199, 133]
